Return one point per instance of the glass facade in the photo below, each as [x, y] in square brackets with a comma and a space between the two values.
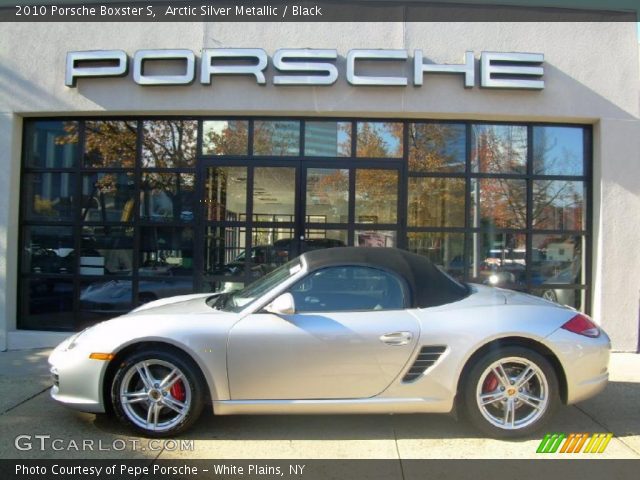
[119, 212]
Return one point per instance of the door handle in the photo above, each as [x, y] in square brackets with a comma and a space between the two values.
[396, 338]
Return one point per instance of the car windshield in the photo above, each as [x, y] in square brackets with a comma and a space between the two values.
[236, 301]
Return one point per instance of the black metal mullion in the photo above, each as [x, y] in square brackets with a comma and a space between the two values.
[437, 230]
[468, 237]
[354, 137]
[351, 216]
[587, 135]
[528, 252]
[200, 225]
[437, 175]
[21, 311]
[137, 169]
[31, 170]
[403, 191]
[249, 223]
[300, 206]
[326, 226]
[250, 139]
[77, 228]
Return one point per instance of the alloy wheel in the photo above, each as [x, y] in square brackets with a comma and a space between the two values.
[155, 395]
[512, 393]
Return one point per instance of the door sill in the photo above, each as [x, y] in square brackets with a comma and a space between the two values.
[331, 406]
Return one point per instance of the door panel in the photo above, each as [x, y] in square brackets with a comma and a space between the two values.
[317, 355]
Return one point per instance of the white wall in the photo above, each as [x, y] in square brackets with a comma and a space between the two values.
[591, 74]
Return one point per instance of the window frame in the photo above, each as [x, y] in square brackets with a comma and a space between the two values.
[406, 297]
[200, 225]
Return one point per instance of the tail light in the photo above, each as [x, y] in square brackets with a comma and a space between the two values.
[582, 325]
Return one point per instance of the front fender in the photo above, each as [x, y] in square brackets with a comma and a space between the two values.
[203, 337]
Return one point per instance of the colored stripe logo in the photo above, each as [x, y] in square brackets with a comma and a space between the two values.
[574, 443]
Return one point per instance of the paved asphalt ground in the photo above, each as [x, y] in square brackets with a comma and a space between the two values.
[26, 409]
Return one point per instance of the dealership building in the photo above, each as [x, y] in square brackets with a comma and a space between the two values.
[145, 160]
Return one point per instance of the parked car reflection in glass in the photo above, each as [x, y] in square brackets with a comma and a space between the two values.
[504, 267]
[564, 296]
[114, 296]
[264, 258]
[47, 260]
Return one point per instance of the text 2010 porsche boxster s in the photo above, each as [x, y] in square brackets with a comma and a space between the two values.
[342, 330]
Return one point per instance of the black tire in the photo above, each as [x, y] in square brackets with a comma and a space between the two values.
[159, 364]
[536, 387]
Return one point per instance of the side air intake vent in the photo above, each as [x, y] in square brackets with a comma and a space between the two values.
[426, 358]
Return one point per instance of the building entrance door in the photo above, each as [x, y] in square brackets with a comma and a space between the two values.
[260, 214]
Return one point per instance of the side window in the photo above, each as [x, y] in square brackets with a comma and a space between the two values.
[349, 288]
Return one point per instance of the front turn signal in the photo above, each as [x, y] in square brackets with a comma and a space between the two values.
[102, 356]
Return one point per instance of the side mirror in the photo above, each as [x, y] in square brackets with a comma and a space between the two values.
[283, 305]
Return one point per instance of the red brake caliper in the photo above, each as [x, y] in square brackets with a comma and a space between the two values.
[489, 385]
[177, 391]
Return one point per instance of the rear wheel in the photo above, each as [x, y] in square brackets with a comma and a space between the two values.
[158, 393]
[511, 392]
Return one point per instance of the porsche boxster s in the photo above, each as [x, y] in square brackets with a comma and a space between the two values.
[342, 330]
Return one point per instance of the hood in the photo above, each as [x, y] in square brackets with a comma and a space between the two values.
[192, 304]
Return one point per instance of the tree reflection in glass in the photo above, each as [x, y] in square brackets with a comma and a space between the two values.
[327, 195]
[276, 138]
[379, 139]
[558, 205]
[437, 147]
[169, 143]
[558, 150]
[499, 148]
[436, 202]
[110, 144]
[225, 137]
[376, 196]
[499, 202]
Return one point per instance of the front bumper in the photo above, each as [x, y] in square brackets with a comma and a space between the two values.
[77, 379]
[585, 361]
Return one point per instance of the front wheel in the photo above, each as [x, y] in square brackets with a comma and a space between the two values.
[511, 392]
[159, 393]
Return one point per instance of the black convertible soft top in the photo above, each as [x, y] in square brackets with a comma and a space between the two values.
[429, 286]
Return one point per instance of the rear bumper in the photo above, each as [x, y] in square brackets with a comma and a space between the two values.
[585, 361]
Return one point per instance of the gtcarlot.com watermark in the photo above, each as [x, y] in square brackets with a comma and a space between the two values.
[50, 443]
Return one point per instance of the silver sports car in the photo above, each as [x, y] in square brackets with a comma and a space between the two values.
[343, 330]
